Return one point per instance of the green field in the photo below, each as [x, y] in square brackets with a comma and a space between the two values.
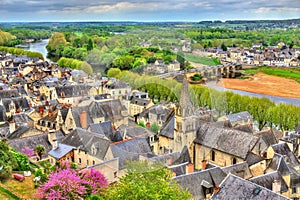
[202, 60]
[292, 73]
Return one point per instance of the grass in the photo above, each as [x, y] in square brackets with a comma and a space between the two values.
[293, 74]
[24, 189]
[7, 195]
[202, 60]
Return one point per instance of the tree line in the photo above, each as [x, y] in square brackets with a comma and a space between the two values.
[265, 112]
[75, 64]
[18, 51]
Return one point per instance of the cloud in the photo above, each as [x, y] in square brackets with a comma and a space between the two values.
[151, 9]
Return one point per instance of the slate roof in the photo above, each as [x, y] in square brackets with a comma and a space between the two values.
[268, 136]
[241, 116]
[231, 141]
[279, 164]
[289, 156]
[105, 128]
[19, 102]
[9, 94]
[2, 113]
[178, 169]
[72, 90]
[194, 182]
[184, 157]
[22, 118]
[32, 142]
[241, 170]
[266, 180]
[19, 132]
[134, 131]
[252, 158]
[130, 150]
[60, 151]
[86, 140]
[234, 187]
[167, 130]
[165, 158]
[116, 84]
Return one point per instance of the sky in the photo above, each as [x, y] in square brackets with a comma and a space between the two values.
[146, 10]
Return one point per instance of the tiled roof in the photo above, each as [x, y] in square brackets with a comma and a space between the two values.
[234, 187]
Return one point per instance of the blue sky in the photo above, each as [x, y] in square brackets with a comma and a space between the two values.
[146, 10]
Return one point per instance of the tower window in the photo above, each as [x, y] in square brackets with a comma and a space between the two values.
[213, 155]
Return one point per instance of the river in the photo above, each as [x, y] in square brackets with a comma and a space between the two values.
[275, 99]
[40, 46]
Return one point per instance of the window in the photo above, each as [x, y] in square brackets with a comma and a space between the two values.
[87, 162]
[115, 174]
[213, 155]
[93, 162]
[234, 161]
[294, 190]
[79, 160]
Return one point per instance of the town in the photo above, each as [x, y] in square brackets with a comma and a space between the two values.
[101, 123]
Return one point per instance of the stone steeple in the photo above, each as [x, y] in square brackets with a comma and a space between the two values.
[185, 105]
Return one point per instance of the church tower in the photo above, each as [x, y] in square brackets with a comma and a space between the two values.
[185, 132]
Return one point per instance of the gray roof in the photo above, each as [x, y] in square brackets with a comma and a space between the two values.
[165, 158]
[9, 93]
[197, 181]
[22, 118]
[289, 156]
[116, 84]
[178, 169]
[32, 142]
[72, 90]
[279, 164]
[268, 136]
[184, 157]
[231, 141]
[134, 131]
[252, 158]
[241, 169]
[19, 102]
[19, 132]
[234, 187]
[86, 140]
[130, 150]
[239, 116]
[105, 128]
[60, 151]
[266, 180]
[167, 130]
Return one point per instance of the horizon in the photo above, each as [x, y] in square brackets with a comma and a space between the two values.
[146, 11]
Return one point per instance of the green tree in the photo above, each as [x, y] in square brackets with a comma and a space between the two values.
[86, 67]
[146, 181]
[54, 42]
[154, 128]
[40, 150]
[181, 59]
[223, 47]
[113, 72]
[7, 160]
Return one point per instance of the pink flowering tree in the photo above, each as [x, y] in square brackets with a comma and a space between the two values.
[97, 181]
[28, 152]
[67, 183]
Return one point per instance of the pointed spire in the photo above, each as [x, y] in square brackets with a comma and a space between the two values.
[185, 104]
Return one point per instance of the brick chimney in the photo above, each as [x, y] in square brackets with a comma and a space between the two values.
[83, 119]
[216, 189]
[41, 110]
[189, 168]
[170, 161]
[50, 113]
[204, 164]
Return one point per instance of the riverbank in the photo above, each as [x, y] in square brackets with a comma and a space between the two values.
[264, 84]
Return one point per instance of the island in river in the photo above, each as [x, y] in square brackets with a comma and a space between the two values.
[264, 84]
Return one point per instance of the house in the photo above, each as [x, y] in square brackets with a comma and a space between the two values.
[173, 66]
[60, 153]
[156, 114]
[116, 88]
[89, 148]
[201, 184]
[136, 102]
[234, 187]
[240, 118]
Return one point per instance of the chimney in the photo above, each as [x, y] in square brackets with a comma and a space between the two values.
[50, 114]
[41, 110]
[54, 144]
[83, 119]
[203, 165]
[171, 161]
[12, 126]
[189, 168]
[276, 186]
[216, 189]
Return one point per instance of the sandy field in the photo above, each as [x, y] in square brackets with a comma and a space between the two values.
[264, 84]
